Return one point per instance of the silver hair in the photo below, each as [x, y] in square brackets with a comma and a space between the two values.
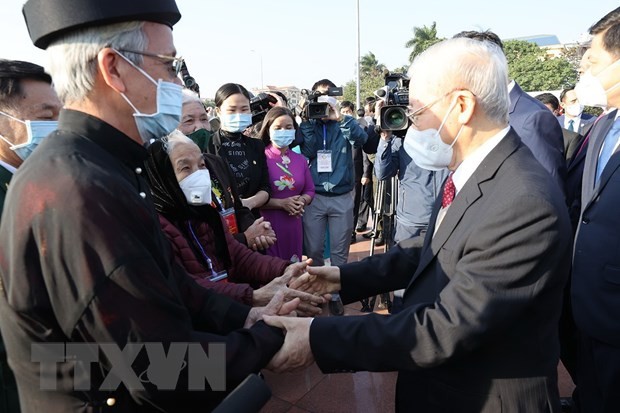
[72, 60]
[189, 96]
[462, 63]
[175, 137]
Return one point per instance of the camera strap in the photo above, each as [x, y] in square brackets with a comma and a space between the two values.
[324, 137]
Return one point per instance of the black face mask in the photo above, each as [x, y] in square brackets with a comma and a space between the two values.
[201, 137]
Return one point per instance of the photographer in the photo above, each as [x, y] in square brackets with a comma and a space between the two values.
[328, 144]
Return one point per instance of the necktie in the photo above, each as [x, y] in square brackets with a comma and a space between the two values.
[449, 191]
[570, 125]
[608, 148]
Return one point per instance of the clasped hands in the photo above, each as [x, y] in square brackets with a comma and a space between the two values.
[296, 353]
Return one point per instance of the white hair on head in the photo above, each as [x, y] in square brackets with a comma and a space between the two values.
[462, 63]
[72, 59]
[174, 138]
[189, 96]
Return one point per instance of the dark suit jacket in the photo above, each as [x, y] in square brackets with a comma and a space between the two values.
[540, 131]
[479, 329]
[5, 177]
[585, 119]
[596, 261]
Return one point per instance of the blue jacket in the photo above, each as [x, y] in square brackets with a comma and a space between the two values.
[418, 188]
[339, 139]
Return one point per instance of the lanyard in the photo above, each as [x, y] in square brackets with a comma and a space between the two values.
[204, 254]
[324, 137]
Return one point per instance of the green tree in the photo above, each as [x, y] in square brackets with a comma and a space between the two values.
[369, 65]
[534, 70]
[423, 38]
[368, 84]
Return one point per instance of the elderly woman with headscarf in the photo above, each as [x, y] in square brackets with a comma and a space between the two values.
[181, 188]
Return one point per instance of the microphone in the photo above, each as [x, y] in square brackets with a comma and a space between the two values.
[249, 396]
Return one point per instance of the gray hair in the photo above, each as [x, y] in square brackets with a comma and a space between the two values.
[189, 96]
[175, 137]
[72, 59]
[462, 63]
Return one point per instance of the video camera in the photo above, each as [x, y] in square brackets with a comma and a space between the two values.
[188, 81]
[260, 105]
[315, 109]
[395, 93]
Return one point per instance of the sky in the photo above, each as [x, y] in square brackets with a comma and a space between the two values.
[297, 42]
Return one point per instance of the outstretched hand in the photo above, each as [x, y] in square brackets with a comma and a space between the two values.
[318, 280]
[277, 306]
[295, 353]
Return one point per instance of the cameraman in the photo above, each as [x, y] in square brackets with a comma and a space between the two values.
[328, 144]
[417, 190]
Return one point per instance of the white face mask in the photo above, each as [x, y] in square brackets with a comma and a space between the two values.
[197, 187]
[590, 90]
[574, 110]
[426, 148]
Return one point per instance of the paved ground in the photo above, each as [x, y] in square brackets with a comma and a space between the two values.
[312, 391]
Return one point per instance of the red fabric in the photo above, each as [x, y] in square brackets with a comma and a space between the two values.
[449, 191]
[248, 267]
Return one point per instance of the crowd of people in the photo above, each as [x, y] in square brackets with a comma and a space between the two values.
[132, 214]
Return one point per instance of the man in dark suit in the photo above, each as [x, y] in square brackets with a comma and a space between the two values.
[479, 329]
[596, 260]
[573, 119]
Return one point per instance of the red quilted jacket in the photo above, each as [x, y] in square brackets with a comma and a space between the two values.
[247, 266]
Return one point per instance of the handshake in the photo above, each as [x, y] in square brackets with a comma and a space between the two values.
[308, 290]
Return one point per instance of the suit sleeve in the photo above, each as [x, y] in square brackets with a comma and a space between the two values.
[505, 266]
[387, 161]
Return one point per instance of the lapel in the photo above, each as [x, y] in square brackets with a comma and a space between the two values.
[589, 191]
[465, 199]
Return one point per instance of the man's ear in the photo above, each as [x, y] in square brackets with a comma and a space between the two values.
[466, 103]
[108, 62]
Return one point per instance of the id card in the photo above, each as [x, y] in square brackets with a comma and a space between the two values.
[218, 276]
[231, 219]
[324, 161]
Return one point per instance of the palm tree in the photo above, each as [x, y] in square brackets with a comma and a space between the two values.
[370, 65]
[423, 38]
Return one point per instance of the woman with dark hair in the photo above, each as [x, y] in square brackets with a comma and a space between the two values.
[245, 155]
[292, 187]
[181, 188]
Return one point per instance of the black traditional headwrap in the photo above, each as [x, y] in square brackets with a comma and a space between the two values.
[171, 202]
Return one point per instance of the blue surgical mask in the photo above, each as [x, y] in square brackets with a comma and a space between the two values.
[282, 138]
[235, 122]
[36, 129]
[169, 109]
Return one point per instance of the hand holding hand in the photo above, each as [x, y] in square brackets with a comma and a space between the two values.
[318, 280]
[277, 306]
[260, 235]
[295, 353]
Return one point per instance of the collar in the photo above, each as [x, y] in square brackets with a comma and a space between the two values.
[275, 151]
[8, 167]
[511, 85]
[469, 165]
[104, 135]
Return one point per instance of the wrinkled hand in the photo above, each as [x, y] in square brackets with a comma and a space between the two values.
[309, 303]
[295, 353]
[277, 306]
[318, 280]
[260, 235]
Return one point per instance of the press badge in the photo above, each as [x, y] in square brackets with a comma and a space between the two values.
[324, 161]
[230, 219]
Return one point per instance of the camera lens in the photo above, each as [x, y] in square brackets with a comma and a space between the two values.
[395, 118]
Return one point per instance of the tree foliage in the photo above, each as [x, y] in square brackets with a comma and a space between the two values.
[533, 69]
[423, 38]
[369, 65]
[368, 84]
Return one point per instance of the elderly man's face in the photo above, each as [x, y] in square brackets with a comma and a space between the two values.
[38, 102]
[194, 118]
[186, 159]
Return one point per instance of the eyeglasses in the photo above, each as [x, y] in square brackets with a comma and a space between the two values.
[413, 115]
[176, 62]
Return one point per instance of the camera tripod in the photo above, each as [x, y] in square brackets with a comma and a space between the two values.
[384, 211]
